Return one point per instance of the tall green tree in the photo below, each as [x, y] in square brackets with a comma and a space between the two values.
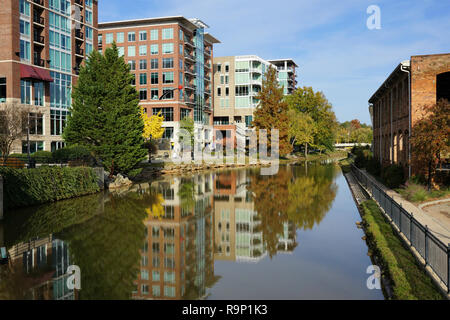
[272, 112]
[301, 129]
[105, 114]
[316, 105]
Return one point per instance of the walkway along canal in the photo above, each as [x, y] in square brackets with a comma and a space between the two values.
[218, 235]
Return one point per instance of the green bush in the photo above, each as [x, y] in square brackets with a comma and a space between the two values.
[362, 156]
[71, 153]
[43, 157]
[20, 156]
[373, 166]
[27, 187]
[393, 176]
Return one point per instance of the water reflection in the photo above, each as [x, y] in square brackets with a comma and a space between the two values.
[161, 240]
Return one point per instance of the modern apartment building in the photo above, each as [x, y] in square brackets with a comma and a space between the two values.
[171, 58]
[44, 43]
[237, 81]
[287, 74]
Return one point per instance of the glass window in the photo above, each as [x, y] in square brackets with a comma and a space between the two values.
[155, 232]
[24, 7]
[167, 63]
[167, 77]
[154, 64]
[2, 90]
[34, 146]
[154, 78]
[142, 35]
[143, 79]
[167, 34]
[144, 275]
[167, 48]
[25, 50]
[121, 51]
[144, 289]
[89, 33]
[168, 133]
[36, 123]
[142, 50]
[110, 38]
[39, 93]
[155, 276]
[169, 277]
[169, 292]
[181, 35]
[154, 93]
[131, 36]
[132, 65]
[120, 37]
[143, 64]
[89, 16]
[131, 51]
[156, 290]
[154, 49]
[167, 113]
[143, 94]
[25, 92]
[24, 27]
[154, 34]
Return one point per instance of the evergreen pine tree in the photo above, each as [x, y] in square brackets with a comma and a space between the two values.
[105, 114]
[272, 111]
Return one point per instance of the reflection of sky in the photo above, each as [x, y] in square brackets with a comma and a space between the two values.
[329, 263]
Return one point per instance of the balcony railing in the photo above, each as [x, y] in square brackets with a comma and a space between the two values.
[79, 51]
[39, 39]
[39, 2]
[79, 2]
[79, 34]
[189, 56]
[190, 86]
[39, 62]
[189, 100]
[39, 20]
[189, 42]
[189, 71]
[208, 52]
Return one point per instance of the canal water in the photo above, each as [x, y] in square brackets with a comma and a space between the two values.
[215, 235]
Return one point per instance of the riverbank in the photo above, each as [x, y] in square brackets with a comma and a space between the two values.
[403, 278]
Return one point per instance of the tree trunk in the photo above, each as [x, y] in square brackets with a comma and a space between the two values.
[306, 151]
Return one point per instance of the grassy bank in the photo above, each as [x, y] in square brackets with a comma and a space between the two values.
[408, 278]
[28, 187]
[418, 193]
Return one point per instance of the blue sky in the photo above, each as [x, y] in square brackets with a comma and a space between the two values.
[328, 39]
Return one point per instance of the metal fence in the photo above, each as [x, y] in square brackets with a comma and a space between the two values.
[435, 253]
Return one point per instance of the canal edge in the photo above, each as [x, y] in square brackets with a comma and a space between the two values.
[359, 196]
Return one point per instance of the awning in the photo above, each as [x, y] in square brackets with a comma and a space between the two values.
[30, 72]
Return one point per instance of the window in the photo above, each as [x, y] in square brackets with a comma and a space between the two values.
[154, 49]
[181, 35]
[100, 39]
[24, 6]
[227, 68]
[142, 35]
[169, 248]
[169, 277]
[248, 121]
[144, 261]
[154, 34]
[143, 94]
[226, 79]
[144, 275]
[156, 290]
[143, 64]
[60, 90]
[132, 65]
[167, 48]
[167, 77]
[219, 92]
[25, 92]
[222, 79]
[88, 3]
[167, 63]
[219, 67]
[154, 64]
[155, 276]
[169, 263]
[181, 64]
[36, 121]
[155, 248]
[2, 90]
[168, 133]
[34, 146]
[155, 232]
[39, 94]
[181, 49]
[110, 38]
[142, 50]
[169, 292]
[89, 48]
[154, 94]
[57, 122]
[25, 51]
[89, 16]
[154, 78]
[131, 51]
[131, 37]
[155, 262]
[121, 51]
[89, 33]
[169, 233]
[144, 289]
[120, 37]
[167, 113]
[168, 93]
[25, 28]
[167, 34]
[143, 79]
[185, 113]
[242, 91]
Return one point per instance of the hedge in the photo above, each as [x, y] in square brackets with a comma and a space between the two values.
[27, 187]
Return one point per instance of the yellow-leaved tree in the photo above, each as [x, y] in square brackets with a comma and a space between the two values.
[153, 130]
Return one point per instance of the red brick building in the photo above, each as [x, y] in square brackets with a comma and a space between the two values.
[398, 104]
[44, 43]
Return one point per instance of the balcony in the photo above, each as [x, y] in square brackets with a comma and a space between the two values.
[207, 78]
[190, 71]
[39, 2]
[208, 91]
[79, 52]
[39, 39]
[189, 101]
[39, 20]
[79, 34]
[208, 52]
[190, 86]
[189, 56]
[208, 66]
[79, 2]
[189, 42]
[39, 62]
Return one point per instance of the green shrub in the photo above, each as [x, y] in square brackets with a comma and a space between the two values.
[43, 157]
[373, 166]
[20, 156]
[71, 153]
[27, 187]
[393, 176]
